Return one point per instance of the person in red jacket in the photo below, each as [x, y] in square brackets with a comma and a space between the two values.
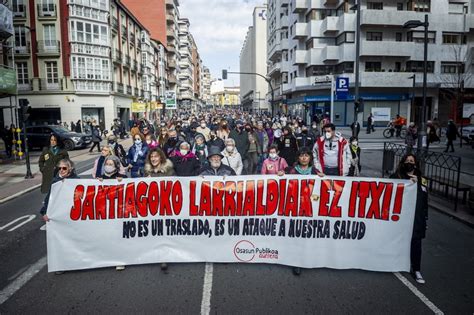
[331, 153]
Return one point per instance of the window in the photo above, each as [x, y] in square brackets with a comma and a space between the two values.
[375, 5]
[419, 37]
[400, 6]
[398, 66]
[18, 8]
[52, 79]
[454, 38]
[373, 66]
[456, 8]
[398, 37]
[47, 7]
[374, 36]
[22, 71]
[20, 36]
[90, 68]
[419, 5]
[346, 37]
[452, 67]
[49, 33]
[417, 66]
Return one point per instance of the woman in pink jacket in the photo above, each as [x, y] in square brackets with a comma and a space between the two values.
[274, 165]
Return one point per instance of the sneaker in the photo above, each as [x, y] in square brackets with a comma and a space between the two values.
[419, 277]
[120, 268]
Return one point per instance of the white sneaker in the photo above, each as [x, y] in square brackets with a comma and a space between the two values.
[419, 277]
[120, 268]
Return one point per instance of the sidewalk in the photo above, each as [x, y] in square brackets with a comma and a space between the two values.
[12, 175]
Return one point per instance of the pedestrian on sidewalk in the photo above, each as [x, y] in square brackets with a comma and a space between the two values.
[48, 160]
[370, 124]
[411, 136]
[78, 127]
[355, 127]
[451, 134]
[7, 138]
[409, 169]
[355, 167]
[96, 138]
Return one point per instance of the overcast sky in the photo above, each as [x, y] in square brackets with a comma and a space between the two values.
[219, 28]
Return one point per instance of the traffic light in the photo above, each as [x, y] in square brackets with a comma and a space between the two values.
[224, 74]
[25, 108]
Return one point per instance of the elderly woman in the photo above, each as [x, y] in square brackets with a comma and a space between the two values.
[157, 165]
[137, 155]
[185, 162]
[48, 161]
[65, 170]
[274, 164]
[112, 169]
[200, 149]
[98, 169]
[231, 157]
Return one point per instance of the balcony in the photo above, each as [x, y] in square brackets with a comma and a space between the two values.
[129, 90]
[390, 18]
[142, 93]
[274, 69]
[50, 84]
[171, 48]
[114, 24]
[172, 64]
[172, 79]
[123, 30]
[132, 38]
[275, 52]
[117, 55]
[49, 48]
[20, 14]
[23, 51]
[301, 30]
[170, 32]
[47, 11]
[300, 57]
[299, 5]
[25, 87]
[170, 4]
[284, 21]
[119, 87]
[170, 19]
[135, 91]
[330, 53]
[127, 61]
[330, 25]
[134, 66]
[388, 48]
[285, 44]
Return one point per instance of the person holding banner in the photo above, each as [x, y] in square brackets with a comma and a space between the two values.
[274, 164]
[112, 169]
[408, 168]
[331, 153]
[48, 161]
[65, 170]
[216, 167]
[137, 155]
[98, 169]
[157, 165]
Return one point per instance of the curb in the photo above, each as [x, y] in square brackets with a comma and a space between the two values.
[450, 214]
[19, 193]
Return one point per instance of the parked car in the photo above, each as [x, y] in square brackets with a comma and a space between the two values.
[38, 137]
[467, 133]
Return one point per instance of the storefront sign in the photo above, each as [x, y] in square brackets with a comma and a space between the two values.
[381, 113]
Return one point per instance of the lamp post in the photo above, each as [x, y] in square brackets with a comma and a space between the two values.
[422, 119]
[357, 59]
[412, 105]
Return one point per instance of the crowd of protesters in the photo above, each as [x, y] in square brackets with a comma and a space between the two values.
[228, 144]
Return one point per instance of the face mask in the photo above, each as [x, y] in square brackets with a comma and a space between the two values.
[248, 129]
[409, 167]
[183, 152]
[109, 169]
[111, 142]
[203, 125]
[229, 148]
[137, 141]
[314, 126]
[273, 155]
[328, 135]
[354, 143]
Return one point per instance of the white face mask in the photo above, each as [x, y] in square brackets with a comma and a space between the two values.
[138, 141]
[203, 125]
[354, 143]
[229, 148]
[183, 152]
[328, 135]
[109, 169]
[273, 155]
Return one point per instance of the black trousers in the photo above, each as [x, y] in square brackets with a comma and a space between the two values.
[415, 254]
[93, 146]
[450, 144]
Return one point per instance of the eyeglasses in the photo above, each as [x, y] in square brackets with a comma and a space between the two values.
[63, 168]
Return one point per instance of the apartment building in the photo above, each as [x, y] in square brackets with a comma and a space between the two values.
[229, 96]
[197, 66]
[205, 86]
[253, 59]
[186, 65]
[310, 42]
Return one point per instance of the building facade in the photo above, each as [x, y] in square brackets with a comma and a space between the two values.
[311, 42]
[186, 66]
[253, 59]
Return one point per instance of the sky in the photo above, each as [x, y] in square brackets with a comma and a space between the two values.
[219, 28]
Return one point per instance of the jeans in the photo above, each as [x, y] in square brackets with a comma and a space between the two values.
[331, 171]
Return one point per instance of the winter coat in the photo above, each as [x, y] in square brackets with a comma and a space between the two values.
[206, 132]
[98, 169]
[216, 142]
[56, 179]
[421, 208]
[187, 165]
[96, 135]
[344, 155]
[293, 171]
[354, 168]
[288, 148]
[137, 166]
[166, 169]
[47, 165]
[119, 152]
[223, 170]
[241, 141]
[305, 140]
[262, 135]
[171, 145]
[234, 160]
[201, 152]
[271, 136]
[451, 132]
[410, 139]
[272, 167]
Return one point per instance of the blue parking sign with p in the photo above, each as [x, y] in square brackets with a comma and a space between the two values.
[342, 87]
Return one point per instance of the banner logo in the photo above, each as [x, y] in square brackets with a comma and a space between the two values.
[244, 251]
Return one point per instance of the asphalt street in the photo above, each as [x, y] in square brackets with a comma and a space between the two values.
[448, 260]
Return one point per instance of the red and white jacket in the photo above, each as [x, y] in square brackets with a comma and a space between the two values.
[343, 156]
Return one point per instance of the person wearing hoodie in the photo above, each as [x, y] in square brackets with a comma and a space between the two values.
[232, 157]
[136, 156]
[157, 165]
[274, 164]
[200, 149]
[185, 162]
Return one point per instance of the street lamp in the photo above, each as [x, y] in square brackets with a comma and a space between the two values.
[422, 119]
[413, 77]
[357, 61]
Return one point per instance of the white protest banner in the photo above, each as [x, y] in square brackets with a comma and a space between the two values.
[304, 221]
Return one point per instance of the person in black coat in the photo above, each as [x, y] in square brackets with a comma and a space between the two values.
[185, 162]
[287, 146]
[451, 133]
[78, 127]
[355, 167]
[96, 138]
[355, 127]
[215, 166]
[409, 169]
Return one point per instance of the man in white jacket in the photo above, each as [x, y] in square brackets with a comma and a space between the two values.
[331, 153]
[232, 157]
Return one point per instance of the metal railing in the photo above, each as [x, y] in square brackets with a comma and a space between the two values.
[119, 87]
[115, 23]
[49, 46]
[136, 91]
[23, 50]
[123, 30]
[117, 55]
[50, 84]
[129, 90]
[47, 10]
[441, 170]
[127, 60]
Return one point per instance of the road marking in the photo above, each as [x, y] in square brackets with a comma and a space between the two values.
[19, 193]
[43, 228]
[19, 282]
[27, 217]
[207, 289]
[417, 292]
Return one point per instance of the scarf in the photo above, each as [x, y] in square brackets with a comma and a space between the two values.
[55, 150]
[100, 166]
[302, 171]
[138, 148]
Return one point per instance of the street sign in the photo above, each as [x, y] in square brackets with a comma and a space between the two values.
[170, 100]
[342, 87]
